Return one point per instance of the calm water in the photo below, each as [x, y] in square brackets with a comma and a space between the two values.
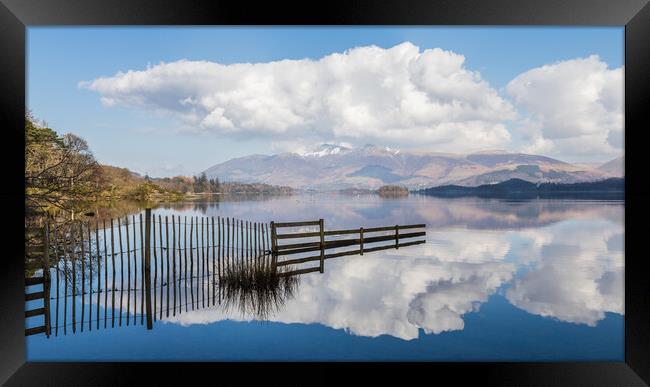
[495, 280]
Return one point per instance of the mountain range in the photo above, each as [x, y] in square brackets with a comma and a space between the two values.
[335, 167]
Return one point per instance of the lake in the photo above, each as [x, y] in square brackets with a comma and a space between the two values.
[496, 279]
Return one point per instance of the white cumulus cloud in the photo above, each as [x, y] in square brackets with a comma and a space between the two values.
[400, 95]
[575, 107]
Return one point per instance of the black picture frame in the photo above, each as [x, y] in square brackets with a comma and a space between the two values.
[17, 15]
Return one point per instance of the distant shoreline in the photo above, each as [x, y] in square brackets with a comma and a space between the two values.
[613, 188]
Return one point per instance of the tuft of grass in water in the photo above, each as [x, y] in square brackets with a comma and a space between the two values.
[257, 290]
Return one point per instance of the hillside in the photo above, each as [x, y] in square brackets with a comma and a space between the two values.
[121, 183]
[615, 167]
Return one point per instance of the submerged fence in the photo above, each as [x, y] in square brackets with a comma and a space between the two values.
[145, 268]
[130, 269]
[391, 234]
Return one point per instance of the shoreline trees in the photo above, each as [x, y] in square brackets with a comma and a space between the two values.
[60, 171]
[61, 174]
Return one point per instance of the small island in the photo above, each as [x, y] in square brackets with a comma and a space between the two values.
[392, 191]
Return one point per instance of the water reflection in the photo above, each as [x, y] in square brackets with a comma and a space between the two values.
[372, 210]
[391, 293]
[208, 204]
[558, 259]
[257, 291]
[576, 273]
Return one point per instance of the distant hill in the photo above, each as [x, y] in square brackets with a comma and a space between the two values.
[614, 167]
[612, 188]
[336, 167]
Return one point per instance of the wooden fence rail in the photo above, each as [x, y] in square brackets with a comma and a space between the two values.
[321, 245]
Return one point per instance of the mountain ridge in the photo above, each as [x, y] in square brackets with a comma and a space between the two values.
[336, 167]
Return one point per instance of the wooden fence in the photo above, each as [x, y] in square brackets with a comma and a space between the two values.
[321, 245]
[33, 252]
[139, 269]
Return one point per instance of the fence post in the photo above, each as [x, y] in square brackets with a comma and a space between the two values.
[361, 241]
[274, 248]
[396, 237]
[322, 245]
[147, 266]
[46, 277]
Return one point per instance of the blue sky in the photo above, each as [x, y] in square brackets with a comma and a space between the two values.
[158, 140]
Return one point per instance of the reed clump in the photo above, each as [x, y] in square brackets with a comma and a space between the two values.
[257, 290]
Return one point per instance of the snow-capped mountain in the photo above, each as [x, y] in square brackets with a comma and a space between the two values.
[334, 167]
[326, 150]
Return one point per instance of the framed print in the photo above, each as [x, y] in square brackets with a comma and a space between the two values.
[217, 189]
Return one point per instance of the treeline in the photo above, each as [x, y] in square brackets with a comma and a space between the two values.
[187, 184]
[121, 183]
[61, 173]
[201, 184]
[254, 188]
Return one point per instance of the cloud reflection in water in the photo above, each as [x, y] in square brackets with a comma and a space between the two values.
[559, 259]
